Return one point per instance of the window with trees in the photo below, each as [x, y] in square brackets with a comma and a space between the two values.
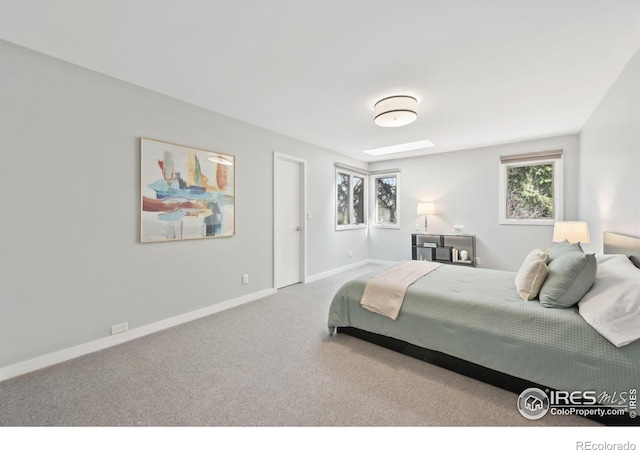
[531, 188]
[351, 211]
[385, 187]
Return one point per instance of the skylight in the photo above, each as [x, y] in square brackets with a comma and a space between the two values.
[417, 145]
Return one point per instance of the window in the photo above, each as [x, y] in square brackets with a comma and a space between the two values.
[385, 191]
[531, 188]
[351, 211]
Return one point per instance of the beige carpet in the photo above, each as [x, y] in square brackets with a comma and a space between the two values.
[267, 363]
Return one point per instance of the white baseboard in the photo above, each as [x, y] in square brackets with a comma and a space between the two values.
[381, 262]
[338, 270]
[50, 359]
[41, 362]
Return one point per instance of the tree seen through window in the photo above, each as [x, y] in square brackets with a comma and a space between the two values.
[530, 192]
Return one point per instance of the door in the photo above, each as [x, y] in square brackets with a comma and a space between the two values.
[289, 232]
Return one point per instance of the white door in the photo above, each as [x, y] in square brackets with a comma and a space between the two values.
[288, 220]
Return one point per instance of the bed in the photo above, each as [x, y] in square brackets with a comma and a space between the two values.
[474, 322]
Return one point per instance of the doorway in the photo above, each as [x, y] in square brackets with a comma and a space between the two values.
[289, 227]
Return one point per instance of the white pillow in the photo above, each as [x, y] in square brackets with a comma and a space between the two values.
[612, 306]
[602, 258]
[532, 274]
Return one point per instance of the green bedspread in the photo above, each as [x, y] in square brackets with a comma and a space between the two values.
[477, 315]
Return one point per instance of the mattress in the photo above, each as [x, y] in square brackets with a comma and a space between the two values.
[477, 315]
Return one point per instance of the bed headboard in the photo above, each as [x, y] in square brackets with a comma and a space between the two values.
[622, 244]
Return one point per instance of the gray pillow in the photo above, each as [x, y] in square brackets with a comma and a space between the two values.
[571, 275]
[561, 248]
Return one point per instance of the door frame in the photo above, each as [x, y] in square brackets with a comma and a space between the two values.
[303, 208]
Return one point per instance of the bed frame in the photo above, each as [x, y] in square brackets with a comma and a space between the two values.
[614, 243]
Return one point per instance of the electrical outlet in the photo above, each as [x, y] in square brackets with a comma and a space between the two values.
[120, 328]
[245, 278]
[417, 227]
[350, 254]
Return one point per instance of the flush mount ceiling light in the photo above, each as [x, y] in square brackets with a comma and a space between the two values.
[395, 111]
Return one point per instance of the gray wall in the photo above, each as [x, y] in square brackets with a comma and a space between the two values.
[610, 161]
[464, 186]
[71, 264]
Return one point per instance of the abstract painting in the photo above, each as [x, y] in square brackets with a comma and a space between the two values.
[187, 193]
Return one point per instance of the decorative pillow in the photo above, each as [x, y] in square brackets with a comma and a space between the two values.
[612, 306]
[532, 274]
[571, 275]
[561, 248]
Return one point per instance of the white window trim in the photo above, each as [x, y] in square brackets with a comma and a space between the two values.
[558, 207]
[374, 199]
[351, 174]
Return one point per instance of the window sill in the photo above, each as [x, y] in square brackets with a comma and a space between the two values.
[389, 226]
[351, 227]
[543, 222]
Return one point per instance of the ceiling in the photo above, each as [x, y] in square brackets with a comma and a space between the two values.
[484, 72]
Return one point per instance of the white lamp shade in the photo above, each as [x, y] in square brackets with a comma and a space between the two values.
[426, 208]
[571, 231]
[395, 111]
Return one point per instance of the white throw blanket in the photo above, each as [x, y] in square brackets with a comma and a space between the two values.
[385, 292]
